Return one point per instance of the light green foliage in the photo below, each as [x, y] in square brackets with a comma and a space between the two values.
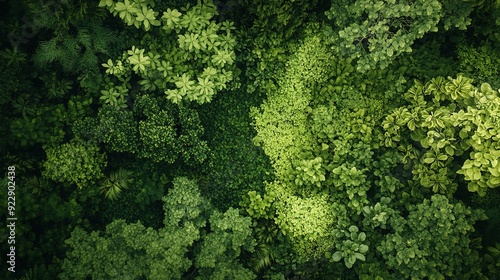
[221, 248]
[449, 118]
[308, 221]
[137, 13]
[109, 256]
[257, 206]
[378, 215]
[131, 251]
[191, 64]
[310, 172]
[281, 122]
[76, 162]
[346, 129]
[433, 241]
[114, 69]
[320, 134]
[115, 96]
[138, 60]
[184, 204]
[376, 31]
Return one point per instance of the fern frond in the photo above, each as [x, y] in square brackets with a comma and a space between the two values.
[47, 52]
[70, 60]
[103, 38]
[84, 37]
[39, 272]
[71, 44]
[262, 258]
[88, 61]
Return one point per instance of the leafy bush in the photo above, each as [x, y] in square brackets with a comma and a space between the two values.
[76, 162]
[192, 64]
[138, 252]
[449, 118]
[433, 241]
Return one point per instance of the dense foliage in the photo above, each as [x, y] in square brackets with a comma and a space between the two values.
[231, 139]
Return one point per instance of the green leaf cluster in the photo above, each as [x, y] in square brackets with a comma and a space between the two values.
[191, 65]
[137, 13]
[76, 162]
[131, 251]
[43, 124]
[449, 118]
[480, 63]
[374, 32]
[433, 241]
[351, 249]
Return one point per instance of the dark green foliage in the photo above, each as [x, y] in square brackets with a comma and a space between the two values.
[14, 57]
[155, 129]
[375, 32]
[37, 273]
[491, 262]
[161, 140]
[39, 202]
[118, 129]
[235, 165]
[327, 123]
[116, 182]
[76, 53]
[138, 252]
[433, 241]
[39, 124]
[62, 15]
[431, 57]
[480, 63]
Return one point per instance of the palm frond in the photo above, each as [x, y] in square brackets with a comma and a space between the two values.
[117, 181]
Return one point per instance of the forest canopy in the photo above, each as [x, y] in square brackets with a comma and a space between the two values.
[250, 139]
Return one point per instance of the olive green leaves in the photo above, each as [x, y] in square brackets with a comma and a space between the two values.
[191, 65]
[147, 17]
[460, 118]
[170, 18]
[138, 60]
[133, 12]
